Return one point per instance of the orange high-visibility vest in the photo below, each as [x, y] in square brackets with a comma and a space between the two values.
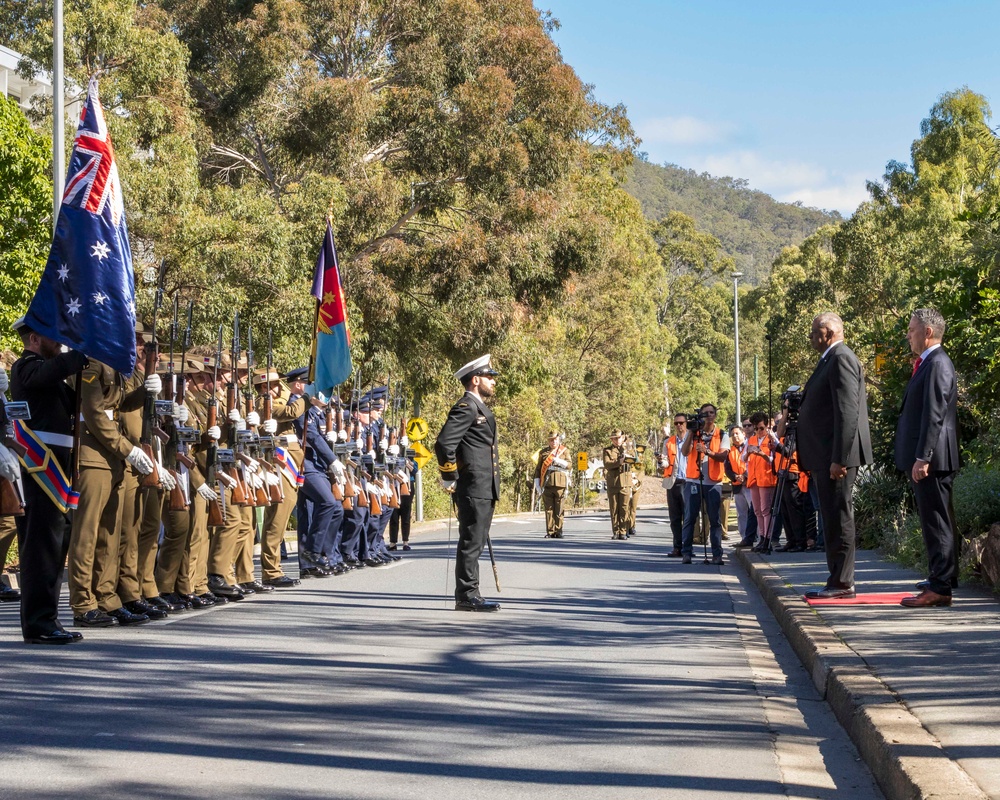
[781, 462]
[670, 445]
[759, 468]
[715, 469]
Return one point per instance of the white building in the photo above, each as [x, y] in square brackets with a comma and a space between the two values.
[14, 86]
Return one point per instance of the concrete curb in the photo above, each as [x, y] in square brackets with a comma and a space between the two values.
[907, 762]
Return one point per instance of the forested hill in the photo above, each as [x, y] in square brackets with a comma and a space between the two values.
[751, 225]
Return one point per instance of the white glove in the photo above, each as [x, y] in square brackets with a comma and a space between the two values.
[270, 426]
[393, 449]
[227, 480]
[404, 441]
[167, 480]
[9, 468]
[338, 470]
[253, 419]
[383, 444]
[142, 463]
[331, 437]
[342, 435]
[538, 486]
[560, 462]
[181, 413]
[251, 466]
[214, 433]
[205, 493]
[4, 382]
[256, 481]
[371, 454]
[235, 416]
[448, 486]
[359, 445]
[153, 384]
[271, 479]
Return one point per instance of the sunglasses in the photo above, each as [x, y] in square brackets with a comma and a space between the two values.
[761, 427]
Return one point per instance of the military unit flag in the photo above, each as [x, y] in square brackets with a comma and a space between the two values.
[331, 362]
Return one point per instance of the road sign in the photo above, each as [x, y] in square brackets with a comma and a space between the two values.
[416, 429]
[582, 461]
[420, 453]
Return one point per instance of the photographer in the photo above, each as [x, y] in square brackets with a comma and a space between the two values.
[674, 466]
[707, 450]
[761, 478]
[736, 471]
[795, 503]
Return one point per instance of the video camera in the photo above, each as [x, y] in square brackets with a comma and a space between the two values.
[792, 396]
[696, 421]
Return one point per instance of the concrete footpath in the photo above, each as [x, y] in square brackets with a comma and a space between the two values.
[918, 690]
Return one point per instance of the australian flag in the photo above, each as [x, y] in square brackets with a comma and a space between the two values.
[332, 340]
[86, 298]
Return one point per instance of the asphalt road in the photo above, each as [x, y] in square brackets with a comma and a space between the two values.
[611, 672]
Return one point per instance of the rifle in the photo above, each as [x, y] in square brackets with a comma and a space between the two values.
[149, 421]
[178, 500]
[338, 492]
[216, 508]
[342, 448]
[261, 497]
[240, 492]
[276, 494]
[11, 501]
[354, 468]
[374, 505]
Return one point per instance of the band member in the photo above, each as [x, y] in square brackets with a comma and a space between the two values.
[619, 480]
[551, 481]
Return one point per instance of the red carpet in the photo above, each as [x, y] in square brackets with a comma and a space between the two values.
[873, 599]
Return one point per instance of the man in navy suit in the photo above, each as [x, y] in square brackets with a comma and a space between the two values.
[833, 441]
[927, 451]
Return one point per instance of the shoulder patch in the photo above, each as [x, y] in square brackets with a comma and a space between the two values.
[89, 378]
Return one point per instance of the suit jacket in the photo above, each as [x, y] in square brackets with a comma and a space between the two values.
[928, 419]
[467, 445]
[833, 419]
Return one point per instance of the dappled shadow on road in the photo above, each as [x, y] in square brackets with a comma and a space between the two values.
[340, 680]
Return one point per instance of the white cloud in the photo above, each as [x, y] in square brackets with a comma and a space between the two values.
[683, 131]
[844, 197]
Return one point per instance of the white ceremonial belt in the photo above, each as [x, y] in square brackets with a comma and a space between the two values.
[54, 439]
[290, 438]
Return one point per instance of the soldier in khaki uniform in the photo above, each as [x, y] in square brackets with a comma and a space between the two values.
[551, 481]
[619, 482]
[95, 537]
[635, 477]
[284, 412]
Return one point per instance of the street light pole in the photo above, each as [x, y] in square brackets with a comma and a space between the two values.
[770, 412]
[736, 337]
[58, 112]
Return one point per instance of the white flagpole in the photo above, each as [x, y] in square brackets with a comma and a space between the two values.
[58, 112]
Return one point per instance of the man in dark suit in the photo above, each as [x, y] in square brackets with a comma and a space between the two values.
[927, 451]
[466, 450]
[833, 441]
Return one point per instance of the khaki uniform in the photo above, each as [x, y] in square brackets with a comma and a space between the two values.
[94, 541]
[276, 517]
[225, 539]
[554, 485]
[635, 478]
[133, 499]
[619, 490]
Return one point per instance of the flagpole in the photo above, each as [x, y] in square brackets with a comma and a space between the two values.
[58, 112]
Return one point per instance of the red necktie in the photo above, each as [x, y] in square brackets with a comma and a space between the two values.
[916, 365]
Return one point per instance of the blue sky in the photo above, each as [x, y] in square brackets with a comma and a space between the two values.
[806, 100]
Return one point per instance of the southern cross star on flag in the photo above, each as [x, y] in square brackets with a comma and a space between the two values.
[332, 340]
[86, 297]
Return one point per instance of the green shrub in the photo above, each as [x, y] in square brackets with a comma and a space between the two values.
[902, 540]
[881, 499]
[976, 499]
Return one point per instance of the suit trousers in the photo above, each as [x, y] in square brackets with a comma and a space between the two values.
[93, 546]
[275, 523]
[552, 499]
[675, 508]
[43, 535]
[937, 524]
[793, 512]
[836, 500]
[475, 515]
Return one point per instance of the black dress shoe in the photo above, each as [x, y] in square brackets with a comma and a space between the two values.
[56, 637]
[392, 547]
[394, 559]
[373, 562]
[353, 563]
[831, 593]
[126, 617]
[717, 561]
[406, 546]
[183, 602]
[206, 600]
[257, 586]
[744, 543]
[283, 582]
[163, 605]
[923, 585]
[140, 607]
[312, 572]
[94, 619]
[8, 595]
[217, 585]
[476, 604]
[674, 554]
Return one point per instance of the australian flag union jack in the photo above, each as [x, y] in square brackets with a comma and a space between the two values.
[86, 297]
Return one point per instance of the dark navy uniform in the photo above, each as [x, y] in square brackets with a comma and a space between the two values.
[322, 513]
[467, 447]
[43, 531]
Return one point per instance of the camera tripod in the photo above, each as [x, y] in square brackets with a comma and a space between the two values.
[764, 545]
